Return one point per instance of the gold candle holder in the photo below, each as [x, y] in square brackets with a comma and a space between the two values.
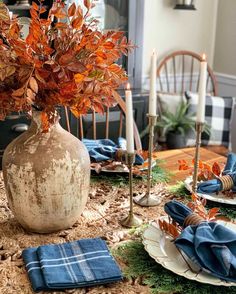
[149, 199]
[131, 220]
[199, 128]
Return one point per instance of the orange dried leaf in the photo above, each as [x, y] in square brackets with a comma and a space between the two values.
[216, 169]
[35, 6]
[33, 84]
[77, 22]
[18, 92]
[72, 9]
[213, 212]
[87, 4]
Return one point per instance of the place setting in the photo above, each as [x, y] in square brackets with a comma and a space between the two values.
[96, 135]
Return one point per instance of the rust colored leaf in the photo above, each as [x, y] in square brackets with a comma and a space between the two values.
[213, 212]
[77, 67]
[87, 4]
[79, 77]
[60, 13]
[35, 6]
[65, 59]
[42, 10]
[216, 169]
[72, 9]
[77, 22]
[33, 84]
[18, 92]
[61, 25]
[9, 70]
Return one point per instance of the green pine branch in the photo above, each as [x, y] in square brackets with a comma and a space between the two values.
[140, 265]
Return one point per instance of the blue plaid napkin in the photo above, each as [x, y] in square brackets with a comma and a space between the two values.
[105, 149]
[215, 185]
[230, 165]
[177, 211]
[82, 263]
[210, 245]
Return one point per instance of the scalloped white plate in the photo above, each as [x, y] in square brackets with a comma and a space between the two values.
[220, 197]
[161, 248]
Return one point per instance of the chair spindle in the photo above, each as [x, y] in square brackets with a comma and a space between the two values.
[94, 125]
[107, 123]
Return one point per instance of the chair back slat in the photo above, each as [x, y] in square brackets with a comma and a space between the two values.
[191, 75]
[107, 119]
[107, 123]
[121, 124]
[81, 127]
[188, 60]
[167, 78]
[174, 68]
[207, 84]
[161, 85]
[94, 125]
[183, 88]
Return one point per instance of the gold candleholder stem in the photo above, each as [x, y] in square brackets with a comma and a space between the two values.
[131, 220]
[148, 199]
[199, 127]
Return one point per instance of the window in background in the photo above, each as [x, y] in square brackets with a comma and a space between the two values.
[113, 15]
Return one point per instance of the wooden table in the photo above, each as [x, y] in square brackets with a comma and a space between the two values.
[170, 160]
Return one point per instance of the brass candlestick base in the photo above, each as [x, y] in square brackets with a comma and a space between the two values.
[131, 220]
[149, 199]
[199, 128]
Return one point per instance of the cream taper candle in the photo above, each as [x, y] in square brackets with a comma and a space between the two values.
[202, 91]
[129, 120]
[153, 87]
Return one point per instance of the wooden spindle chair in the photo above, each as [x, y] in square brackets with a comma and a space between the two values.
[106, 120]
[180, 71]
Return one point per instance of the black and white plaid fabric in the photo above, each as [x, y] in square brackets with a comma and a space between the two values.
[218, 117]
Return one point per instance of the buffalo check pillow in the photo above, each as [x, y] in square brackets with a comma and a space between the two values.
[218, 117]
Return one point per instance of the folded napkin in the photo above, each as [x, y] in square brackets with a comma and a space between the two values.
[230, 165]
[82, 263]
[177, 211]
[210, 245]
[215, 185]
[105, 149]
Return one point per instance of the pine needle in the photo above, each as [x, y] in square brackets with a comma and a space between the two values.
[140, 265]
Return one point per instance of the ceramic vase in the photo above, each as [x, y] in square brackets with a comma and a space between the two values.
[47, 176]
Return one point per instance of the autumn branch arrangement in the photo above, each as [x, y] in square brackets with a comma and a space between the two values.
[65, 60]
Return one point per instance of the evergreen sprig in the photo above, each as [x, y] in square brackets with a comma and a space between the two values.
[160, 280]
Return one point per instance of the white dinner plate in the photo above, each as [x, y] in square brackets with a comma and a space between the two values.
[161, 248]
[220, 197]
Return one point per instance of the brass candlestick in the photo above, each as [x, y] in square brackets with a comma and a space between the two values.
[149, 199]
[131, 220]
[199, 128]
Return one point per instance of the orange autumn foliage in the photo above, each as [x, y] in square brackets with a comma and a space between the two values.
[65, 60]
[205, 171]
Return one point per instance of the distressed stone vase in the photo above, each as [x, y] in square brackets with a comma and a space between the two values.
[47, 177]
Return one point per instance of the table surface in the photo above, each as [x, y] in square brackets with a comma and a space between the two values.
[170, 160]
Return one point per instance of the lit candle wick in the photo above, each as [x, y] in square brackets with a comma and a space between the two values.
[128, 86]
